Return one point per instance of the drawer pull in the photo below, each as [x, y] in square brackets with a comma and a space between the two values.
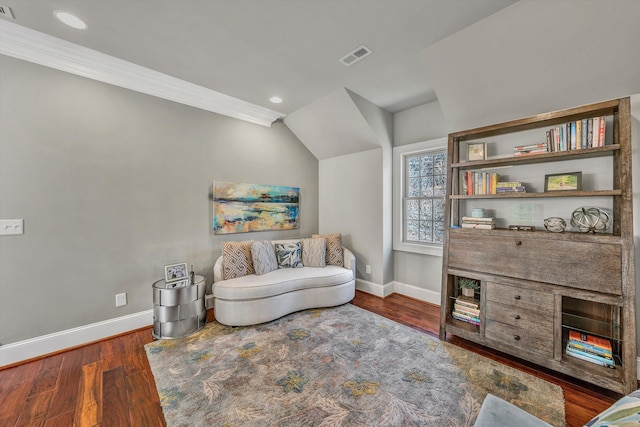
[518, 242]
[517, 317]
[516, 337]
[517, 297]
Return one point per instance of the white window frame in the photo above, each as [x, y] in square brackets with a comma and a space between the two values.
[399, 173]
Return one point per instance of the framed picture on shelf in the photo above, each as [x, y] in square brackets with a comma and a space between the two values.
[476, 151]
[175, 272]
[570, 181]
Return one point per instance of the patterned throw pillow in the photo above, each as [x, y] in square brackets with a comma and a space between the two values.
[264, 257]
[314, 252]
[236, 259]
[335, 254]
[289, 255]
[625, 411]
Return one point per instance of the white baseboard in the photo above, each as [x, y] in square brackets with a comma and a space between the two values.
[399, 288]
[421, 294]
[374, 288]
[39, 346]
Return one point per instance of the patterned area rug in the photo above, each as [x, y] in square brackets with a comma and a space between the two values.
[343, 366]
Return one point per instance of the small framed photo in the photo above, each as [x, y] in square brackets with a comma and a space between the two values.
[175, 272]
[476, 151]
[571, 181]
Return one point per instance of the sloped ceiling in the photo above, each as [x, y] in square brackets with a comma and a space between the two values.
[340, 123]
[536, 56]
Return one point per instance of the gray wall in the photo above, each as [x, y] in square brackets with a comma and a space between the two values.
[112, 185]
[351, 203]
[421, 123]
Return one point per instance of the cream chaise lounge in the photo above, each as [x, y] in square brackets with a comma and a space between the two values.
[258, 298]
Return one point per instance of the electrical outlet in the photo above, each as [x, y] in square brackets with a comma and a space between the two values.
[121, 299]
[368, 269]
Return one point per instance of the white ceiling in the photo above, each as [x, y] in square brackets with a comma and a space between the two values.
[254, 49]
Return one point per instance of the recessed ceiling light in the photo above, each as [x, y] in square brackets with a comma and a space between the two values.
[276, 99]
[70, 20]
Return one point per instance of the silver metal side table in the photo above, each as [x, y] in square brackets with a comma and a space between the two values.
[178, 312]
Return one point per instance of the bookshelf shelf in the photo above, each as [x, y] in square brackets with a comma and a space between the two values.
[538, 285]
[599, 193]
[607, 150]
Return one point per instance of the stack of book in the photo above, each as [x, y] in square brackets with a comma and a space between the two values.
[481, 223]
[590, 348]
[510, 187]
[526, 150]
[467, 309]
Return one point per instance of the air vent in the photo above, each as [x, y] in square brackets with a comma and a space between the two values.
[355, 55]
[5, 12]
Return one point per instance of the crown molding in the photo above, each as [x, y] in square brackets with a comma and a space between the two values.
[40, 48]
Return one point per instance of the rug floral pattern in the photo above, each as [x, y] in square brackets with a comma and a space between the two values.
[343, 366]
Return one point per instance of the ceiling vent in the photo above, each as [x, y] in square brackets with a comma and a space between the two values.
[5, 12]
[355, 55]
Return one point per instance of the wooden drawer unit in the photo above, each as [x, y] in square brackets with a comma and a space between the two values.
[520, 317]
[561, 262]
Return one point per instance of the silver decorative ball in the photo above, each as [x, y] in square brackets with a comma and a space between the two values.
[590, 220]
[555, 224]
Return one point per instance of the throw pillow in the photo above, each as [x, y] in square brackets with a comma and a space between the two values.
[335, 254]
[625, 411]
[289, 255]
[314, 252]
[264, 257]
[236, 259]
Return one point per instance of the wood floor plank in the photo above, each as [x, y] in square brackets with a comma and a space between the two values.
[47, 375]
[111, 354]
[133, 359]
[66, 393]
[15, 384]
[115, 407]
[35, 411]
[62, 420]
[144, 411]
[89, 404]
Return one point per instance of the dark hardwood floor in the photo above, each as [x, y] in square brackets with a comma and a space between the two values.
[109, 383]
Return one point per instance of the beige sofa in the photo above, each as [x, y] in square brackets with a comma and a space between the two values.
[254, 299]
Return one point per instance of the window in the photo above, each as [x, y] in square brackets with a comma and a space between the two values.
[420, 174]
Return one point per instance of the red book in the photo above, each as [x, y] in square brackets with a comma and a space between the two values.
[601, 132]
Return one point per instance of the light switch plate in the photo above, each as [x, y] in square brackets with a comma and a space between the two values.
[11, 226]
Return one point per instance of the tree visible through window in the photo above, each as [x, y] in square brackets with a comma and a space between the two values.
[425, 188]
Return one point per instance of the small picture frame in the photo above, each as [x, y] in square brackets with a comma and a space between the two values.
[175, 272]
[569, 181]
[476, 151]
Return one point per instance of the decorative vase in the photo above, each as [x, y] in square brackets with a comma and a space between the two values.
[590, 220]
[468, 292]
[555, 224]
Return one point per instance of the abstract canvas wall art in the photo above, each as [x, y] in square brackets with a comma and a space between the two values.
[242, 208]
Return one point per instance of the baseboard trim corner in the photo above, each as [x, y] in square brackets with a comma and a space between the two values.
[421, 294]
[51, 343]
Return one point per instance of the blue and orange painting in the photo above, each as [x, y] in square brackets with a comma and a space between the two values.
[242, 208]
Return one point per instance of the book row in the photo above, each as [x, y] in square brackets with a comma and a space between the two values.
[590, 348]
[481, 183]
[578, 135]
[466, 309]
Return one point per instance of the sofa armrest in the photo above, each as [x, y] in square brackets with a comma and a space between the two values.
[349, 261]
[218, 274]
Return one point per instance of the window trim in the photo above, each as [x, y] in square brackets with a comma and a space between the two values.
[399, 173]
